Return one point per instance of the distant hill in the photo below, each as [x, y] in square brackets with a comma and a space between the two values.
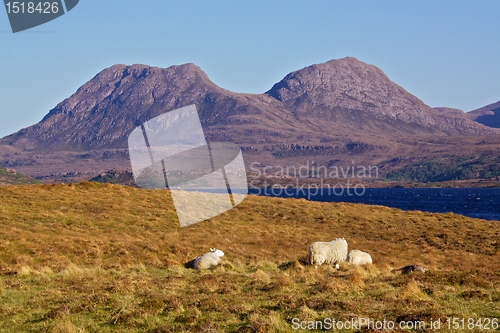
[115, 177]
[488, 115]
[12, 177]
[341, 112]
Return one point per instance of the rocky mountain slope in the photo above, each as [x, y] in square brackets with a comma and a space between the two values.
[488, 115]
[339, 112]
[351, 92]
[102, 113]
[453, 111]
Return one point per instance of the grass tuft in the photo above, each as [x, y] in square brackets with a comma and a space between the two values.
[65, 326]
[412, 291]
[357, 278]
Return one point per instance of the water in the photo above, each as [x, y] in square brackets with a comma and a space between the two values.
[473, 202]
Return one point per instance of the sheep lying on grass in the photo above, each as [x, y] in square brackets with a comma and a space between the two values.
[208, 260]
[357, 257]
[333, 252]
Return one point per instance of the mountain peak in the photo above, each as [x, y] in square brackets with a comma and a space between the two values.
[334, 76]
[348, 90]
[139, 71]
[353, 61]
[115, 100]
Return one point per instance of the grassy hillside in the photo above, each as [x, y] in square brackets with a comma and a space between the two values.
[12, 177]
[105, 258]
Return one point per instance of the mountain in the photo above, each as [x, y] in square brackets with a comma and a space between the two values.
[353, 93]
[347, 91]
[339, 112]
[102, 113]
[488, 115]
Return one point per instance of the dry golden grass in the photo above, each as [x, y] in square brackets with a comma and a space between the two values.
[104, 258]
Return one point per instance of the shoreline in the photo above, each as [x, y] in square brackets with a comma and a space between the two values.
[351, 183]
[470, 202]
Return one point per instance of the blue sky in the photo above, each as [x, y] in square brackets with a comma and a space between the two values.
[445, 52]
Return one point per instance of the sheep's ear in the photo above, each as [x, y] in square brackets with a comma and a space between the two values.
[212, 249]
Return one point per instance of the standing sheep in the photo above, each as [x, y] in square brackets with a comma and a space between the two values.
[357, 257]
[333, 252]
[208, 260]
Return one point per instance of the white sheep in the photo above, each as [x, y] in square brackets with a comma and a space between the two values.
[357, 257]
[208, 260]
[333, 252]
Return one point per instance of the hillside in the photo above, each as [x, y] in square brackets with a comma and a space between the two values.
[341, 112]
[102, 113]
[106, 258]
[361, 97]
[12, 177]
[453, 111]
[488, 115]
